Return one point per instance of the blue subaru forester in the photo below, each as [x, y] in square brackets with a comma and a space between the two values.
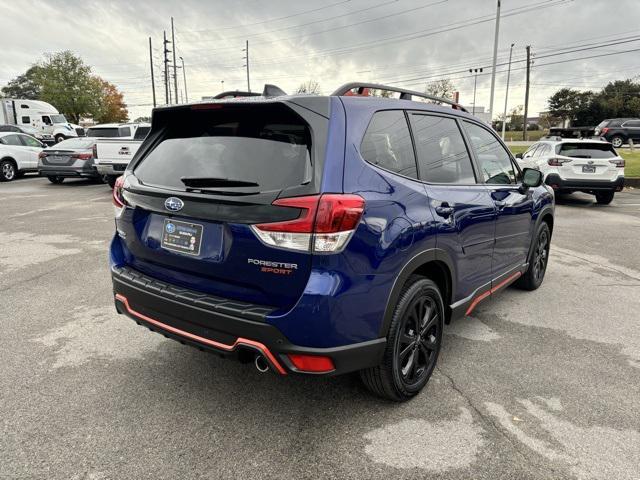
[324, 234]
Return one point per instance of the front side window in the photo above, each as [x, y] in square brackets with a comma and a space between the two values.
[387, 143]
[442, 153]
[531, 151]
[30, 141]
[543, 151]
[46, 120]
[493, 159]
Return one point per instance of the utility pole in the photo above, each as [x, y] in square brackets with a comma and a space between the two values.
[246, 49]
[475, 82]
[526, 94]
[495, 61]
[153, 82]
[184, 75]
[506, 95]
[175, 71]
[166, 68]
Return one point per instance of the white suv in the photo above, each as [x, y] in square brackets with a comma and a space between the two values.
[577, 165]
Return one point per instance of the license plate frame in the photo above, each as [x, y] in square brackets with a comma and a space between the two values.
[588, 169]
[182, 237]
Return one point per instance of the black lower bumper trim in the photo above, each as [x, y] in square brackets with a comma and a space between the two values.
[227, 333]
[557, 183]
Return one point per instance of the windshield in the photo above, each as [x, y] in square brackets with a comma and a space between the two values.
[586, 150]
[74, 144]
[58, 118]
[269, 147]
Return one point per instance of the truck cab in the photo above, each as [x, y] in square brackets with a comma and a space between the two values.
[39, 115]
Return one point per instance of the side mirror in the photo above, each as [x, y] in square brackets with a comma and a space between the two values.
[519, 155]
[531, 178]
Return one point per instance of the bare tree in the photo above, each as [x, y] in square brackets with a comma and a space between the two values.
[440, 88]
[310, 86]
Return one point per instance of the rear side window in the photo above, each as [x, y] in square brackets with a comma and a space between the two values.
[442, 154]
[494, 161]
[387, 143]
[586, 150]
[11, 140]
[632, 124]
[267, 145]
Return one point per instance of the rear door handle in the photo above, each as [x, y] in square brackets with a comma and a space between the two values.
[444, 210]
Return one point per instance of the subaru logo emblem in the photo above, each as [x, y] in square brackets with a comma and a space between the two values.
[174, 204]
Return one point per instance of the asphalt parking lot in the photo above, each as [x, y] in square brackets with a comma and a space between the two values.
[536, 385]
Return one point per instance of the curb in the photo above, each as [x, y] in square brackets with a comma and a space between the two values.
[632, 182]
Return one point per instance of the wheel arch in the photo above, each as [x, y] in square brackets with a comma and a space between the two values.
[434, 264]
[12, 160]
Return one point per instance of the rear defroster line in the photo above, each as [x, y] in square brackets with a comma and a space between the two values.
[212, 343]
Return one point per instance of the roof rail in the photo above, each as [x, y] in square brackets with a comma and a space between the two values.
[404, 93]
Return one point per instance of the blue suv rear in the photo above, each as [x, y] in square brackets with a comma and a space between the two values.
[323, 234]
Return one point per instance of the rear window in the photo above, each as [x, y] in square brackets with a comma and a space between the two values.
[103, 132]
[586, 150]
[75, 143]
[141, 133]
[268, 145]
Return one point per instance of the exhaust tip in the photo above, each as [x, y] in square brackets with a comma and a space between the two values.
[261, 364]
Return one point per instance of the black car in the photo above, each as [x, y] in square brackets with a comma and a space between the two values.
[28, 130]
[619, 131]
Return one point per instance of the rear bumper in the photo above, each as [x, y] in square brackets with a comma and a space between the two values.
[224, 326]
[557, 183]
[54, 171]
[111, 169]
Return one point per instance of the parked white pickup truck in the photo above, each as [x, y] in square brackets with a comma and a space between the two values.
[112, 155]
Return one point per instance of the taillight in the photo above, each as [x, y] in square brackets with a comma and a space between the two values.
[118, 200]
[82, 156]
[558, 162]
[618, 162]
[95, 151]
[604, 130]
[42, 155]
[325, 224]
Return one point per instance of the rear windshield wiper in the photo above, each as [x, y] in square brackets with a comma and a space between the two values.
[214, 182]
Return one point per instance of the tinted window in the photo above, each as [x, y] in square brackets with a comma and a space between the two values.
[30, 141]
[125, 131]
[141, 133]
[46, 120]
[11, 140]
[26, 120]
[586, 150]
[442, 154]
[103, 132]
[267, 145]
[8, 128]
[633, 124]
[387, 143]
[494, 161]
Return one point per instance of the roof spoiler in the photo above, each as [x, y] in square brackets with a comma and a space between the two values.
[268, 91]
[404, 93]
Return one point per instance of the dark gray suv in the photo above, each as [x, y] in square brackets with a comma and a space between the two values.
[619, 131]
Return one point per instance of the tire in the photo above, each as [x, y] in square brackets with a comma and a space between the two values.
[56, 180]
[8, 171]
[538, 260]
[617, 141]
[59, 138]
[409, 359]
[604, 198]
[111, 180]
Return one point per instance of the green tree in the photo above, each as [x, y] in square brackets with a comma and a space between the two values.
[26, 86]
[66, 83]
[516, 119]
[570, 105]
[142, 120]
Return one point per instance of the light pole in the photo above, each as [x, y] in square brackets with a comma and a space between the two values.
[222, 82]
[495, 60]
[184, 75]
[506, 95]
[475, 71]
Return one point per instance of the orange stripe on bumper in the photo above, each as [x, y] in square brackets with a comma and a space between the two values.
[206, 341]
